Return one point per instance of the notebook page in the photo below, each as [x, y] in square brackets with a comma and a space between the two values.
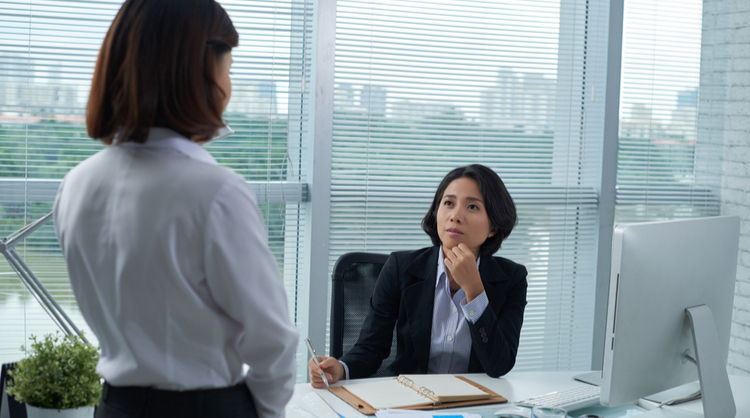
[387, 393]
[310, 405]
[447, 386]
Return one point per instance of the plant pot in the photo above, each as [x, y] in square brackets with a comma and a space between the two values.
[82, 412]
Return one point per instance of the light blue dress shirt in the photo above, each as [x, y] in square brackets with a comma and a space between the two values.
[450, 343]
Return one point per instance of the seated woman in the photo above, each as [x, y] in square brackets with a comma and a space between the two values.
[456, 308]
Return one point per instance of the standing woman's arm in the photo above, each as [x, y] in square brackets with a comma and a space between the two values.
[244, 281]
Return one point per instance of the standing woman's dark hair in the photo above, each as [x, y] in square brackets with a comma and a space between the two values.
[157, 67]
[499, 205]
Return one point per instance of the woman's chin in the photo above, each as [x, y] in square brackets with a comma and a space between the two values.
[449, 244]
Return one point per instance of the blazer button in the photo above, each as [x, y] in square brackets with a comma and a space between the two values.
[484, 335]
[481, 330]
[484, 340]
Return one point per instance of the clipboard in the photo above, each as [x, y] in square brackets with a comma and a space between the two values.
[365, 408]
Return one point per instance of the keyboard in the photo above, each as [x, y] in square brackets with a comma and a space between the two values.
[569, 400]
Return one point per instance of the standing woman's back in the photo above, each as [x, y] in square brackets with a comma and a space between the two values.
[167, 251]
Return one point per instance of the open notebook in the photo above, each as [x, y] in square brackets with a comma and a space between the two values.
[414, 392]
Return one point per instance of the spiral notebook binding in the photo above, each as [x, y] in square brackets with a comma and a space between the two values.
[427, 393]
[405, 381]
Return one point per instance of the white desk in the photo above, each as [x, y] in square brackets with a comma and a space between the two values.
[521, 385]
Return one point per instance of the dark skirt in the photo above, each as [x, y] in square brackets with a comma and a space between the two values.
[143, 402]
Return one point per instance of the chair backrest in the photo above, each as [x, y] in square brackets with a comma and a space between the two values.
[9, 406]
[354, 277]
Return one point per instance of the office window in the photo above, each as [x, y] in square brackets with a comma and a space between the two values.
[665, 170]
[47, 55]
[424, 87]
[420, 88]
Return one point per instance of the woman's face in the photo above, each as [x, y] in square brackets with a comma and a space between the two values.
[222, 77]
[462, 216]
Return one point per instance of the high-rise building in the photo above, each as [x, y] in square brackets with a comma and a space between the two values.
[518, 102]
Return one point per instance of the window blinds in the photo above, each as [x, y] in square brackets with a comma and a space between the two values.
[424, 87]
[47, 53]
[664, 169]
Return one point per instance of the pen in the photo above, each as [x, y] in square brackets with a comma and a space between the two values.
[315, 359]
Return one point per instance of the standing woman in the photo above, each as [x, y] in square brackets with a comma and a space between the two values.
[167, 251]
[455, 307]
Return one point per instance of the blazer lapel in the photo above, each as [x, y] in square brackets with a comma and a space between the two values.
[490, 271]
[419, 300]
[492, 279]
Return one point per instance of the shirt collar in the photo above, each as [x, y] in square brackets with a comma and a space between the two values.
[165, 138]
[441, 267]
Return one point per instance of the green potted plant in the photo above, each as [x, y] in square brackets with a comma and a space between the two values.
[58, 378]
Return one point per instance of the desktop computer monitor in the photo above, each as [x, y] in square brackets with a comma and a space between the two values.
[669, 313]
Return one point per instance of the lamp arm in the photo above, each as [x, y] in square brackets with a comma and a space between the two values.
[32, 283]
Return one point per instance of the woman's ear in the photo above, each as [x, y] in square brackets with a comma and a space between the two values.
[493, 231]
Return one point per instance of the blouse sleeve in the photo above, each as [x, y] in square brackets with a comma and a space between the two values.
[244, 281]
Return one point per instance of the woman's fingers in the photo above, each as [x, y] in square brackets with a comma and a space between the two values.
[333, 369]
[464, 250]
[315, 380]
[462, 266]
[458, 256]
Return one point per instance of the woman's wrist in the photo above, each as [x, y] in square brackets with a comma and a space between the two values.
[473, 291]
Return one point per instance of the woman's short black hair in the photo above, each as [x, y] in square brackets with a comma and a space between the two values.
[497, 202]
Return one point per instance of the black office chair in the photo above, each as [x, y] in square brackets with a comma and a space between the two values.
[9, 406]
[354, 277]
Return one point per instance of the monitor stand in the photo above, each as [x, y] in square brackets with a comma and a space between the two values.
[718, 401]
[592, 378]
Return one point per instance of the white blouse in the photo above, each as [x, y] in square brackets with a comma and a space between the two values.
[169, 262]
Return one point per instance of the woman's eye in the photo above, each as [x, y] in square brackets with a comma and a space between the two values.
[447, 203]
[473, 207]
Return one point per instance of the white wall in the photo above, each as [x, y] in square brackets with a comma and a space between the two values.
[724, 115]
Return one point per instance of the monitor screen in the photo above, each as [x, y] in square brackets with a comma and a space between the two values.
[659, 270]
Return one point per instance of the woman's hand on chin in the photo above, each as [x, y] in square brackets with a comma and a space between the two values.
[462, 266]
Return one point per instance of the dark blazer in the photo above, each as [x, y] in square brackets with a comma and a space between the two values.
[404, 297]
